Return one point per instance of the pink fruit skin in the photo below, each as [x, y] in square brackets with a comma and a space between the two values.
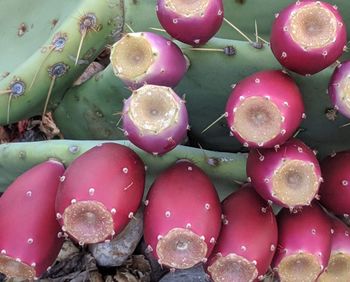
[169, 65]
[340, 237]
[191, 30]
[262, 163]
[294, 57]
[334, 191]
[340, 74]
[109, 173]
[157, 144]
[250, 230]
[308, 230]
[182, 197]
[282, 90]
[29, 229]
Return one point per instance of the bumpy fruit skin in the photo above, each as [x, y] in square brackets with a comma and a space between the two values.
[194, 29]
[157, 143]
[29, 229]
[293, 56]
[307, 231]
[334, 190]
[262, 164]
[182, 197]
[168, 67]
[280, 89]
[338, 88]
[110, 174]
[249, 229]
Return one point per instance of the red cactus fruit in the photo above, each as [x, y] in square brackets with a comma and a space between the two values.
[304, 244]
[155, 119]
[265, 109]
[338, 268]
[334, 190]
[308, 36]
[30, 234]
[338, 88]
[248, 238]
[289, 176]
[99, 193]
[192, 22]
[146, 57]
[182, 218]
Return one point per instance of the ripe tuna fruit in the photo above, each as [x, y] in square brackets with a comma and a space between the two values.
[289, 176]
[308, 36]
[192, 22]
[248, 238]
[99, 193]
[334, 191]
[304, 244]
[338, 268]
[265, 109]
[155, 119]
[338, 88]
[146, 57]
[182, 218]
[29, 232]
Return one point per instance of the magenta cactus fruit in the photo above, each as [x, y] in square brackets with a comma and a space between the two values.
[99, 193]
[338, 88]
[265, 109]
[304, 244]
[289, 176]
[182, 218]
[339, 262]
[308, 36]
[248, 238]
[155, 119]
[145, 57]
[192, 22]
[334, 191]
[30, 237]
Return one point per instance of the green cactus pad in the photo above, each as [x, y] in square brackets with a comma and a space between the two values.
[42, 45]
[226, 170]
[90, 111]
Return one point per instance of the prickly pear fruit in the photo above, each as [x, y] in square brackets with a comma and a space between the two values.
[155, 119]
[338, 88]
[99, 193]
[192, 22]
[308, 36]
[29, 238]
[265, 109]
[182, 218]
[334, 191]
[304, 243]
[146, 57]
[248, 238]
[338, 268]
[289, 176]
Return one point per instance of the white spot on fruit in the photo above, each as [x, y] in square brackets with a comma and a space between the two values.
[113, 211]
[167, 214]
[243, 248]
[207, 206]
[344, 183]
[91, 191]
[62, 178]
[73, 201]
[29, 193]
[212, 240]
[30, 241]
[125, 170]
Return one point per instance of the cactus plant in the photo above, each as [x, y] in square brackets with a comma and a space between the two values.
[60, 45]
[30, 244]
[225, 169]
